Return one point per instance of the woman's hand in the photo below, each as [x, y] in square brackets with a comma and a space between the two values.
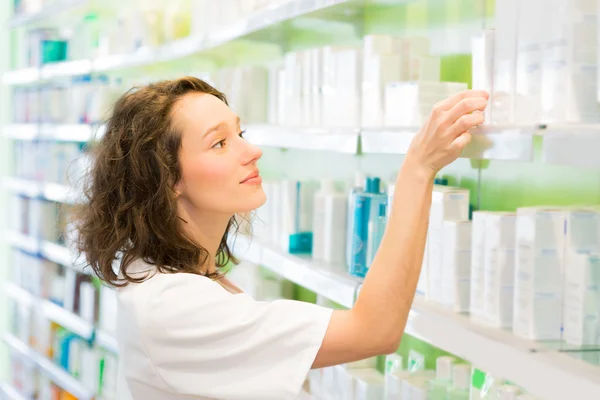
[446, 132]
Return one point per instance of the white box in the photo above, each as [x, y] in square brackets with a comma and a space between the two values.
[408, 104]
[569, 63]
[368, 384]
[448, 204]
[482, 65]
[456, 266]
[532, 31]
[348, 83]
[306, 93]
[477, 297]
[499, 268]
[582, 279]
[426, 68]
[378, 70]
[505, 61]
[539, 259]
[316, 101]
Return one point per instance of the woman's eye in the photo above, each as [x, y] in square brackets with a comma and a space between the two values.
[219, 145]
[242, 133]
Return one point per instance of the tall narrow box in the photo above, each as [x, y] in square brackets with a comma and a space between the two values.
[477, 298]
[540, 240]
[582, 278]
[456, 268]
[448, 204]
[499, 268]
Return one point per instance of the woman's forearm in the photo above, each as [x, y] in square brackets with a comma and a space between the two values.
[389, 288]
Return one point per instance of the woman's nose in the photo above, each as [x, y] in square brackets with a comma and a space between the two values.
[253, 153]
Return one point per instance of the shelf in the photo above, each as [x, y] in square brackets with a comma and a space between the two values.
[107, 341]
[488, 142]
[53, 312]
[332, 282]
[548, 374]
[56, 253]
[57, 132]
[48, 191]
[23, 242]
[172, 51]
[336, 140]
[57, 374]
[47, 12]
[21, 131]
[10, 393]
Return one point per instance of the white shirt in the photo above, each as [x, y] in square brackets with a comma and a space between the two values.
[183, 336]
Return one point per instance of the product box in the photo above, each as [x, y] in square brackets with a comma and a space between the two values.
[378, 70]
[540, 240]
[532, 31]
[499, 268]
[477, 297]
[582, 277]
[569, 63]
[505, 62]
[482, 65]
[447, 204]
[582, 300]
[456, 265]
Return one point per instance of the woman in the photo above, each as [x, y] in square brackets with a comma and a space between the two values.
[170, 176]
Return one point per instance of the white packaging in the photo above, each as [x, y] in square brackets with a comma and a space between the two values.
[87, 301]
[273, 96]
[329, 224]
[411, 48]
[282, 103]
[532, 31]
[539, 259]
[499, 268]
[425, 68]
[456, 265]
[108, 310]
[393, 366]
[477, 297]
[569, 66]
[505, 61]
[368, 384]
[378, 70]
[348, 83]
[408, 104]
[316, 101]
[447, 204]
[482, 52]
[293, 87]
[306, 90]
[582, 300]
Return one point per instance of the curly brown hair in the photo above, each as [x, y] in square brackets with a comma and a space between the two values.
[130, 210]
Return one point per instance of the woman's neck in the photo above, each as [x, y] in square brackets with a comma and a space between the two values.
[206, 229]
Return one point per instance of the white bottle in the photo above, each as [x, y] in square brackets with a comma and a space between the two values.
[393, 365]
[329, 224]
[461, 382]
[438, 387]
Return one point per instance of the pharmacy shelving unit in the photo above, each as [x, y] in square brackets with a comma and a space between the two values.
[549, 374]
[7, 392]
[55, 8]
[50, 369]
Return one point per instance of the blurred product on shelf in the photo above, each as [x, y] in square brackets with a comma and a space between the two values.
[85, 100]
[438, 387]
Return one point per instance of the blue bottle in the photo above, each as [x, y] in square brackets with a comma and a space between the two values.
[367, 207]
[359, 187]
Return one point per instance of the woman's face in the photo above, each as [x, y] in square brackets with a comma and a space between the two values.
[219, 172]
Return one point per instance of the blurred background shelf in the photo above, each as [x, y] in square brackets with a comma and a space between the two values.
[57, 7]
[34, 189]
[58, 375]
[26, 243]
[107, 341]
[53, 312]
[7, 392]
[61, 133]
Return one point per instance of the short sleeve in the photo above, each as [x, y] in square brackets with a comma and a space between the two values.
[204, 341]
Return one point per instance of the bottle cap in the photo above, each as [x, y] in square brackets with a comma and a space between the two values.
[443, 368]
[461, 376]
[372, 185]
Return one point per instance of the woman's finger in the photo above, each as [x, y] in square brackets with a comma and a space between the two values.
[465, 123]
[451, 101]
[461, 142]
[465, 107]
